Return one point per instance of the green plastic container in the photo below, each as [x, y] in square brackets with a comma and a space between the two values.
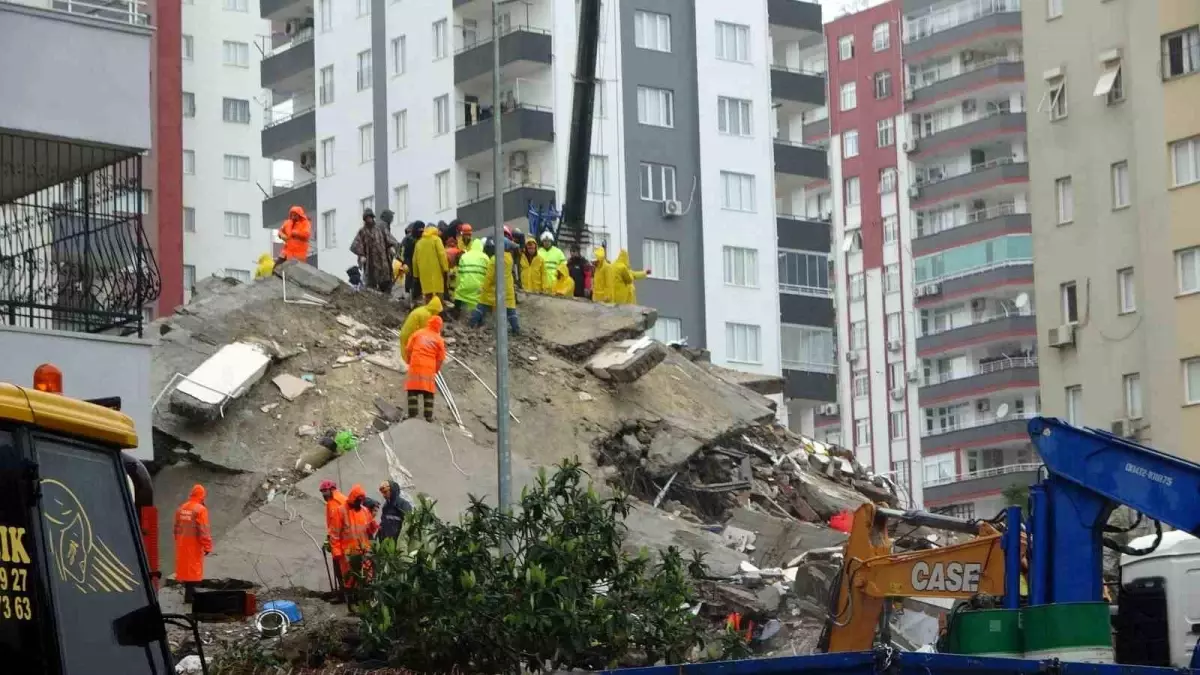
[1077, 631]
[987, 632]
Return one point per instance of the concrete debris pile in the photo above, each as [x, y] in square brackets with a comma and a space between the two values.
[283, 384]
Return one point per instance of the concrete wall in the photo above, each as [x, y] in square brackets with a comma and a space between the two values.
[93, 366]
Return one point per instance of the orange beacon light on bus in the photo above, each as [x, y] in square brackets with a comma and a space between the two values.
[48, 378]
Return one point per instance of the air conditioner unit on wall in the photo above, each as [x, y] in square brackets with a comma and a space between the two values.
[910, 146]
[1063, 336]
[827, 409]
[898, 394]
[895, 345]
[908, 94]
[672, 208]
[852, 356]
[914, 375]
[914, 191]
[1126, 428]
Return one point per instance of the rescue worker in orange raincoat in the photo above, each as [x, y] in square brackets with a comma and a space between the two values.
[350, 537]
[334, 501]
[426, 353]
[193, 541]
[295, 233]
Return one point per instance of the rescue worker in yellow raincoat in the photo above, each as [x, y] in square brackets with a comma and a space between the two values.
[602, 277]
[487, 295]
[430, 263]
[564, 285]
[416, 320]
[266, 266]
[622, 288]
[533, 270]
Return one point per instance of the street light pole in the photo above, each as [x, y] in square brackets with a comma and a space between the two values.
[503, 456]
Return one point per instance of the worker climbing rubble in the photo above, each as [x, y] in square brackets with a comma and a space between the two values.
[416, 320]
[426, 353]
[472, 270]
[430, 264]
[487, 296]
[552, 256]
[193, 541]
[375, 248]
[533, 270]
[265, 266]
[623, 290]
[295, 234]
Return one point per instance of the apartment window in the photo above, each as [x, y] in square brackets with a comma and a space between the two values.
[325, 10]
[883, 84]
[441, 185]
[887, 185]
[737, 191]
[1111, 84]
[366, 143]
[189, 279]
[858, 335]
[235, 54]
[733, 116]
[329, 228]
[236, 5]
[400, 196]
[893, 326]
[891, 278]
[1070, 302]
[1191, 380]
[189, 47]
[896, 425]
[1187, 269]
[662, 257]
[804, 273]
[806, 347]
[1064, 196]
[189, 219]
[325, 88]
[400, 129]
[1125, 291]
[657, 182]
[189, 104]
[235, 110]
[237, 225]
[189, 162]
[441, 112]
[850, 144]
[242, 276]
[1120, 185]
[327, 163]
[849, 96]
[364, 7]
[845, 47]
[1054, 9]
[743, 343]
[1185, 161]
[741, 266]
[862, 433]
[1074, 404]
[652, 31]
[881, 37]
[399, 55]
[858, 286]
[895, 375]
[891, 232]
[859, 384]
[601, 111]
[1181, 53]
[366, 203]
[598, 175]
[441, 39]
[733, 42]
[852, 195]
[237, 167]
[656, 107]
[885, 132]
[667, 330]
[1133, 395]
[1054, 100]
[364, 70]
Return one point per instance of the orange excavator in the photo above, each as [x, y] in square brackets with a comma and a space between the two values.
[873, 575]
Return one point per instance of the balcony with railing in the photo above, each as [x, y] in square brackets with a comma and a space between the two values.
[959, 182]
[940, 488]
[953, 24]
[797, 15]
[285, 10]
[516, 202]
[284, 136]
[797, 85]
[524, 51]
[288, 61]
[288, 193]
[801, 160]
[981, 430]
[947, 231]
[988, 375]
[929, 86]
[993, 122]
[523, 127]
[979, 331]
[801, 233]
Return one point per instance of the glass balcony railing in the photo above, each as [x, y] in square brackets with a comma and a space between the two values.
[941, 18]
[976, 320]
[958, 219]
[983, 368]
[944, 479]
[954, 68]
[978, 421]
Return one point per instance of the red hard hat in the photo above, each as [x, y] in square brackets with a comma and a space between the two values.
[465, 228]
[327, 485]
[508, 232]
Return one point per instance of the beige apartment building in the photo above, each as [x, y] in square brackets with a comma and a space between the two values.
[1113, 89]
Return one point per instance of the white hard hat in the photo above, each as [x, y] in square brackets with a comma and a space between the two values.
[547, 236]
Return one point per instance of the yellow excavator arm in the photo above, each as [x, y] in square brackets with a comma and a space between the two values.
[871, 574]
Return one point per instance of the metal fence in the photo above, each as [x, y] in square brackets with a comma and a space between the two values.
[73, 253]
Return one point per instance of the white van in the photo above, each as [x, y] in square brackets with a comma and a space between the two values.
[1158, 606]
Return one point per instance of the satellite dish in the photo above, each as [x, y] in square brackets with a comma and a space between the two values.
[1021, 301]
[1002, 411]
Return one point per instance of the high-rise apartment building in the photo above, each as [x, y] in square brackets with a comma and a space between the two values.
[932, 246]
[223, 110]
[1114, 146]
[697, 160]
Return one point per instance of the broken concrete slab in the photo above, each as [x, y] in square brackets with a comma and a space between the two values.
[627, 360]
[779, 540]
[577, 329]
[202, 394]
[825, 497]
[308, 276]
[291, 387]
[390, 362]
[278, 545]
[767, 385]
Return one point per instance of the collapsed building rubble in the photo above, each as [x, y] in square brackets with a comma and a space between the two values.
[696, 444]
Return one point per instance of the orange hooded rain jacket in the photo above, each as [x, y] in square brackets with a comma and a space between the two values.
[349, 535]
[192, 538]
[296, 232]
[426, 352]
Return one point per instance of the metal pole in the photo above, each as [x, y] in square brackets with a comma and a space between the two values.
[379, 109]
[503, 458]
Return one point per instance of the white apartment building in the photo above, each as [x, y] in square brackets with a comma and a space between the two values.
[686, 160]
[225, 109]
